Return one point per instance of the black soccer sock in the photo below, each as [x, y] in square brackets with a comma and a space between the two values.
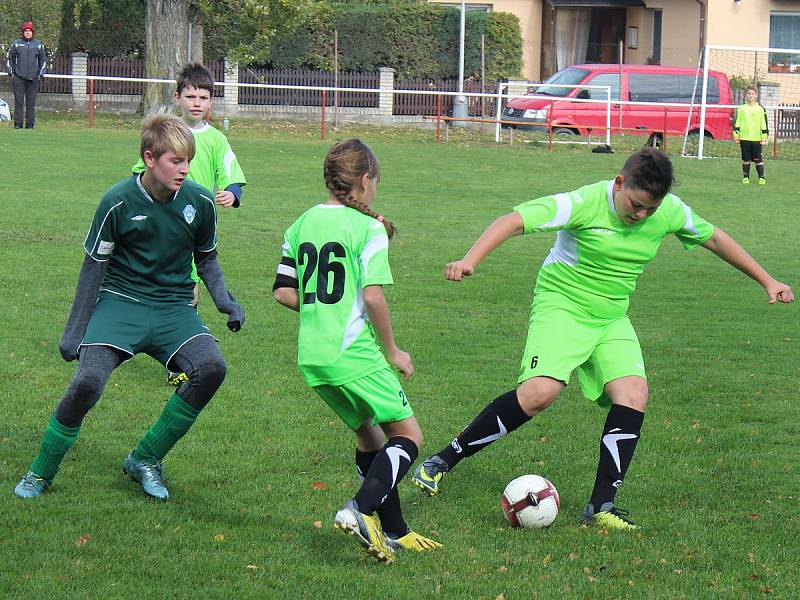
[389, 512]
[746, 169]
[388, 467]
[500, 417]
[617, 445]
[760, 169]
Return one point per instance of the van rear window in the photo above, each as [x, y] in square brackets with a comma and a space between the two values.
[568, 76]
[665, 87]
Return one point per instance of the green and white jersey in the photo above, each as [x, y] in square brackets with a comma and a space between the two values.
[214, 165]
[597, 258]
[149, 245]
[330, 254]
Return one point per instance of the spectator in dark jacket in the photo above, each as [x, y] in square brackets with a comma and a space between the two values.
[26, 61]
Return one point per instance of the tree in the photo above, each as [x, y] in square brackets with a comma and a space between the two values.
[173, 37]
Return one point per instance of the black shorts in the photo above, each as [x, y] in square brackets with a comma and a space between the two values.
[751, 151]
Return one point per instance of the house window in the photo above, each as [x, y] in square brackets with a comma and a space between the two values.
[784, 32]
[657, 21]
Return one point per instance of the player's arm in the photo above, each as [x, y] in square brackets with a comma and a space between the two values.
[728, 249]
[210, 271]
[736, 126]
[231, 196]
[764, 125]
[498, 232]
[378, 312]
[286, 287]
[88, 286]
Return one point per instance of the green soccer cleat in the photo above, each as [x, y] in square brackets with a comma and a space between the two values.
[745, 180]
[608, 516]
[366, 529]
[149, 475]
[413, 541]
[429, 474]
[762, 181]
[31, 486]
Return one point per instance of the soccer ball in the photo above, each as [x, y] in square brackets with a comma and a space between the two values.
[530, 501]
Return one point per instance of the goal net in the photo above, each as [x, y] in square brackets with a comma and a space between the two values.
[775, 72]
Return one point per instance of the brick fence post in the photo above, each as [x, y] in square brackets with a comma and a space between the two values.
[79, 68]
[386, 95]
[231, 91]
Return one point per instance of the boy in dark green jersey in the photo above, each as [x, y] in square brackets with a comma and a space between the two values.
[134, 295]
[334, 264]
[607, 232]
[750, 131]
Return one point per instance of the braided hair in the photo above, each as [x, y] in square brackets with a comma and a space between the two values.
[344, 166]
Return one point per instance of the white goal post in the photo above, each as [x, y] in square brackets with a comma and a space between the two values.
[774, 71]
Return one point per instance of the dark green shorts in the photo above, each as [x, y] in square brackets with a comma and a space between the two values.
[134, 327]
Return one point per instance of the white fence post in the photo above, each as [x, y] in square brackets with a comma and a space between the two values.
[80, 68]
[386, 95]
[231, 91]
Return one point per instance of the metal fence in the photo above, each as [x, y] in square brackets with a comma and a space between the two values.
[289, 97]
[426, 104]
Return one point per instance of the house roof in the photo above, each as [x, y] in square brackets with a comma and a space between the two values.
[596, 3]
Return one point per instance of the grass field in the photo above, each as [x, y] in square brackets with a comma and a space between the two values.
[254, 485]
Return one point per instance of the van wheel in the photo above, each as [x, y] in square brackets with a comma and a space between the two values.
[563, 132]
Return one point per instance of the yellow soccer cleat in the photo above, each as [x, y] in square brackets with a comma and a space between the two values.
[366, 529]
[609, 517]
[414, 541]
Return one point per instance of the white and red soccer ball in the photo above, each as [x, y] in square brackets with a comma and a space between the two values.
[530, 501]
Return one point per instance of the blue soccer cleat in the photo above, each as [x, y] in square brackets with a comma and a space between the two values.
[31, 486]
[149, 475]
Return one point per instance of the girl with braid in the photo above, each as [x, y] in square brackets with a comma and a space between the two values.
[335, 261]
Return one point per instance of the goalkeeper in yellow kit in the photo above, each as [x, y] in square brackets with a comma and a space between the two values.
[750, 131]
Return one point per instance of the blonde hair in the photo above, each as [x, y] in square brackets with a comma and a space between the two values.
[162, 133]
[344, 166]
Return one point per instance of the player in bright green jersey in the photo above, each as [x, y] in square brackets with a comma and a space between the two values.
[607, 233]
[214, 165]
[334, 264]
[751, 131]
[134, 295]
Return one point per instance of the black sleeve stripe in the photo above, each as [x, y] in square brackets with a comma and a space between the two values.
[282, 281]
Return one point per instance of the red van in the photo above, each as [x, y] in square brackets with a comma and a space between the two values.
[634, 83]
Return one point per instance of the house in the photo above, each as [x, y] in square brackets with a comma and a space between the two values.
[558, 33]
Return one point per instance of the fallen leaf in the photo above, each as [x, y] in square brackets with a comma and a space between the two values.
[83, 539]
[253, 567]
[318, 524]
[318, 485]
[547, 559]
[503, 569]
[219, 538]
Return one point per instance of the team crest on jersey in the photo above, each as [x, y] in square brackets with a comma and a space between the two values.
[189, 212]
